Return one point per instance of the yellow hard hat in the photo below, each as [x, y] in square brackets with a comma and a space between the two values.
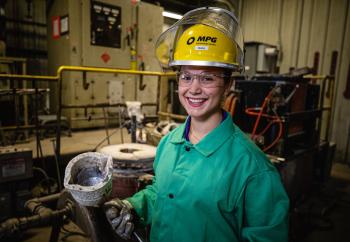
[206, 46]
[203, 37]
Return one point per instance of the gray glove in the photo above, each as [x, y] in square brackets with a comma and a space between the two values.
[118, 213]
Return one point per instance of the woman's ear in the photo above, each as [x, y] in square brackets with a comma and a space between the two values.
[229, 85]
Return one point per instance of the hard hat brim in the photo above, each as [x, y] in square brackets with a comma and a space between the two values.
[205, 63]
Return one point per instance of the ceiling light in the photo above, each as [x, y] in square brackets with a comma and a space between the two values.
[172, 15]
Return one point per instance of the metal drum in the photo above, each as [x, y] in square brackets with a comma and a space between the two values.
[131, 161]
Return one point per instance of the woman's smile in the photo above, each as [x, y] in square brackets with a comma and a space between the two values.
[195, 101]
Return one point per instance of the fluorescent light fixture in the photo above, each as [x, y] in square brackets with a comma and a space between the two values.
[172, 15]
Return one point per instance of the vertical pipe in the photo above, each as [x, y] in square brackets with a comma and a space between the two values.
[133, 129]
[299, 34]
[309, 35]
[325, 37]
[58, 117]
[280, 47]
[106, 125]
[319, 124]
[316, 63]
[158, 94]
[25, 99]
[346, 158]
[343, 44]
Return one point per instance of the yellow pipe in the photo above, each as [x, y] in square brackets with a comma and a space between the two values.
[81, 68]
[315, 76]
[12, 59]
[26, 77]
[111, 70]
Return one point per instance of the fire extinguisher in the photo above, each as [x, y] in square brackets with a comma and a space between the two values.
[133, 59]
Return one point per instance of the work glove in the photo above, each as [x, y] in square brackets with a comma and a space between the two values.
[118, 213]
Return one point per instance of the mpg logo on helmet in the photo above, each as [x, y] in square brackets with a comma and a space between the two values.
[202, 39]
[190, 40]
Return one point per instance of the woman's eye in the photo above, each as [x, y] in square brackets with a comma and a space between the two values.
[186, 77]
[208, 78]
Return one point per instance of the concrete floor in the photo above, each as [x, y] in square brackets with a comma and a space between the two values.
[80, 141]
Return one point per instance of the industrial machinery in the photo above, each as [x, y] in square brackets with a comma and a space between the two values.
[90, 179]
[15, 110]
[282, 114]
[260, 58]
[16, 168]
[269, 102]
[107, 34]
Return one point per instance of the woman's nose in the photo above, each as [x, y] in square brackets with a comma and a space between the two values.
[195, 85]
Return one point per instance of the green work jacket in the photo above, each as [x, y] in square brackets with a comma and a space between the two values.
[220, 189]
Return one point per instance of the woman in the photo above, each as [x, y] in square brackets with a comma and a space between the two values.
[211, 182]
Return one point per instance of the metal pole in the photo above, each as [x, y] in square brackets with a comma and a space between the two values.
[133, 129]
[58, 121]
[106, 125]
[25, 99]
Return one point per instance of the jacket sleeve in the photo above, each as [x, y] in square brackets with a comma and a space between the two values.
[265, 209]
[143, 202]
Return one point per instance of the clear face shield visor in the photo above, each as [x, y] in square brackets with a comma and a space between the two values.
[217, 18]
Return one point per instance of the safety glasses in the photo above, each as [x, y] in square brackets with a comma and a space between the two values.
[207, 80]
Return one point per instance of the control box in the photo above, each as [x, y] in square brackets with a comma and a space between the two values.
[15, 164]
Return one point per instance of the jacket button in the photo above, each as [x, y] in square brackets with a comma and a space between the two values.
[187, 148]
[171, 196]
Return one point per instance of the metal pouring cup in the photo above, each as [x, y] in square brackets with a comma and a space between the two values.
[88, 177]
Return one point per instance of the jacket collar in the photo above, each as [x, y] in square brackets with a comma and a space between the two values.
[212, 141]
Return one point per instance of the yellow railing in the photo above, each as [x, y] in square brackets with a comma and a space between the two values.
[58, 78]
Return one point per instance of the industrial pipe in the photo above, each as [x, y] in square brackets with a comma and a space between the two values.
[42, 215]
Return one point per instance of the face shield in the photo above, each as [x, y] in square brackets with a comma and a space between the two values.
[204, 37]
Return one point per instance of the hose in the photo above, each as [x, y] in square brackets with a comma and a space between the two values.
[275, 119]
[256, 124]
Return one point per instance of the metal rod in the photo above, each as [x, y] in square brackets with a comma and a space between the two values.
[45, 199]
[319, 124]
[57, 166]
[138, 237]
[106, 125]
[133, 128]
[121, 126]
[25, 99]
[26, 127]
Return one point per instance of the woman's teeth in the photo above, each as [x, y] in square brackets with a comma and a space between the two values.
[196, 100]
